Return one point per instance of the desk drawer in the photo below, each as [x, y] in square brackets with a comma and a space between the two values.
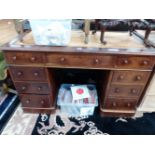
[125, 90]
[120, 104]
[35, 88]
[37, 101]
[83, 60]
[130, 77]
[133, 62]
[24, 58]
[28, 73]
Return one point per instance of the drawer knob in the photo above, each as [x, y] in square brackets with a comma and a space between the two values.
[23, 88]
[138, 77]
[114, 104]
[19, 73]
[117, 90]
[39, 88]
[145, 62]
[62, 59]
[96, 61]
[14, 58]
[36, 74]
[121, 77]
[128, 104]
[126, 61]
[42, 102]
[133, 91]
[27, 101]
[33, 58]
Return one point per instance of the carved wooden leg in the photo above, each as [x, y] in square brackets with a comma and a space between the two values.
[147, 32]
[96, 25]
[131, 30]
[102, 35]
[86, 30]
[86, 39]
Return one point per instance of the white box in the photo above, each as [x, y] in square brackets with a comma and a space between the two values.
[75, 109]
[51, 32]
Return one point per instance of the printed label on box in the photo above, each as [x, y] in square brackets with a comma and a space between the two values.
[80, 92]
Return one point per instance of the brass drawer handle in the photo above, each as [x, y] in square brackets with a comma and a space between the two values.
[145, 62]
[39, 88]
[117, 90]
[42, 102]
[33, 58]
[114, 104]
[133, 91]
[129, 105]
[126, 61]
[28, 101]
[96, 61]
[19, 73]
[62, 59]
[138, 77]
[23, 88]
[36, 73]
[14, 58]
[121, 77]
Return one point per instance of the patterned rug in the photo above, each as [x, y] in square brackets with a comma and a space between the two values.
[8, 104]
[20, 123]
[60, 124]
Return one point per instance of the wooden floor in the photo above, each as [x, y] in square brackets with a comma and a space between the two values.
[7, 31]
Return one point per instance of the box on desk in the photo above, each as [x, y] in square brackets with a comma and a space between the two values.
[51, 32]
[78, 107]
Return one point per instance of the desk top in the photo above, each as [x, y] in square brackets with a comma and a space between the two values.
[114, 39]
[117, 43]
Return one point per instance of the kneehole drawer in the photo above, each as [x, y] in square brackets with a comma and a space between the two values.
[83, 60]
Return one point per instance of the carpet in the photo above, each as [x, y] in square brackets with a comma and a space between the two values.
[20, 123]
[8, 104]
[60, 124]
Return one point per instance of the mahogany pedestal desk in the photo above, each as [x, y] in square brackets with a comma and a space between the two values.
[128, 72]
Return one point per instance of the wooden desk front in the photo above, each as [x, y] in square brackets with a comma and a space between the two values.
[121, 90]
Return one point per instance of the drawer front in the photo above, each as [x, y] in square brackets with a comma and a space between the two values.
[131, 62]
[130, 77]
[28, 73]
[35, 88]
[120, 104]
[83, 60]
[36, 101]
[24, 58]
[125, 90]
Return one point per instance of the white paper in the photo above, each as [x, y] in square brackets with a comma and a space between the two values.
[80, 92]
